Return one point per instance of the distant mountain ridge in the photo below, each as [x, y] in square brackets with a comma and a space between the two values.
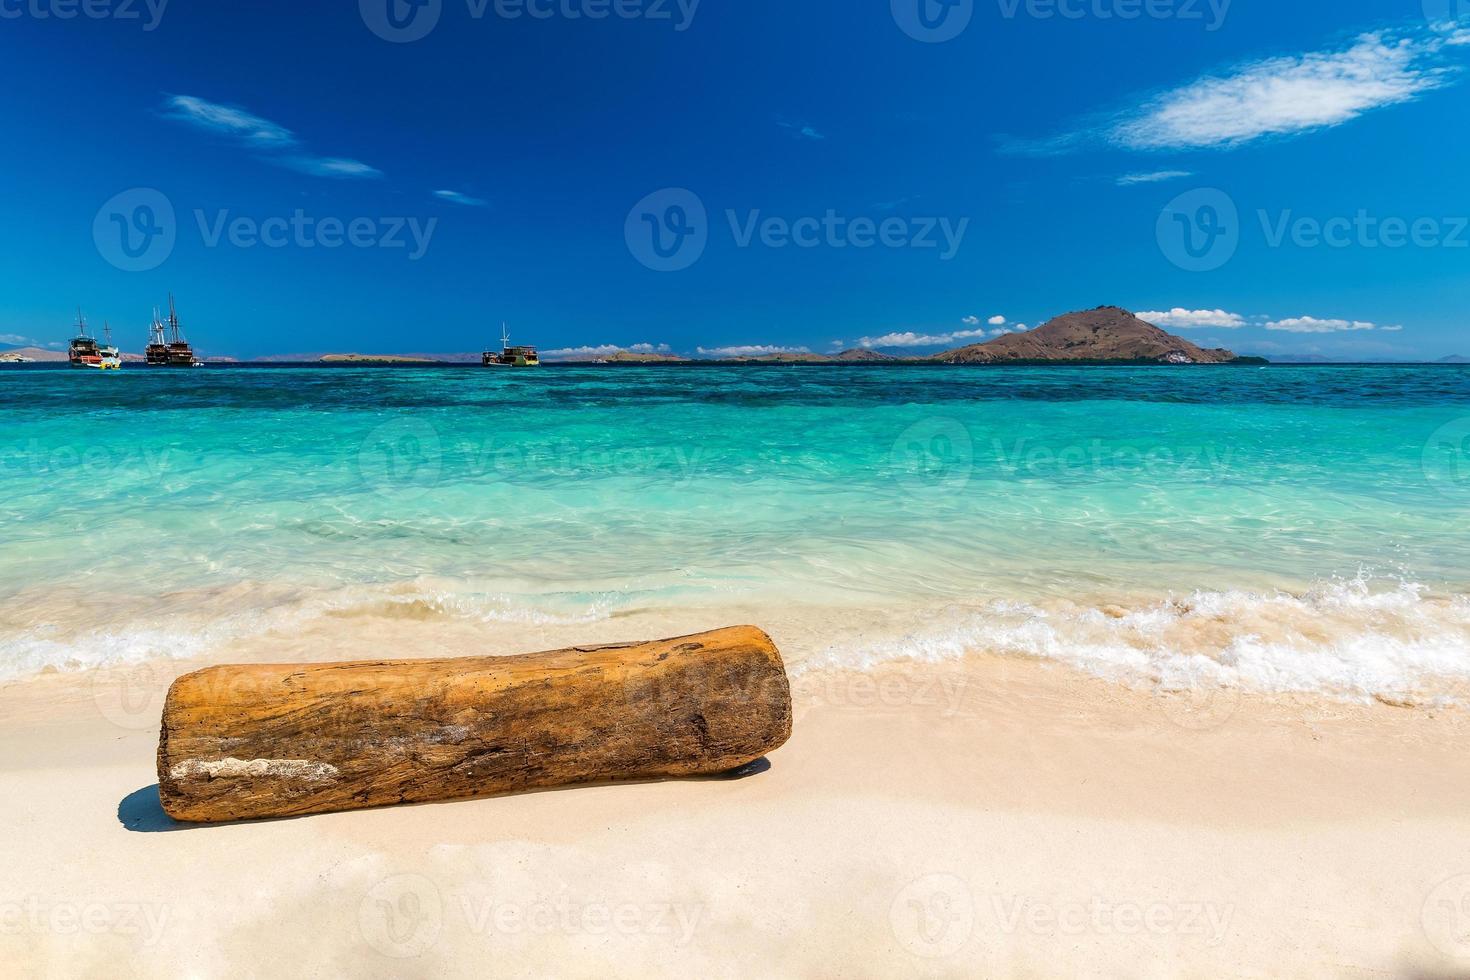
[1108, 333]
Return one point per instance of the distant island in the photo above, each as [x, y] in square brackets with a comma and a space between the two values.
[1106, 335]
[1101, 336]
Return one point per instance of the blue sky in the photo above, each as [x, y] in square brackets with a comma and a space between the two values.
[720, 176]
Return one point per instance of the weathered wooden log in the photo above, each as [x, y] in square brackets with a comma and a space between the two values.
[269, 740]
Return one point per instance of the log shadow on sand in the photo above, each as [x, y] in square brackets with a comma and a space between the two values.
[142, 812]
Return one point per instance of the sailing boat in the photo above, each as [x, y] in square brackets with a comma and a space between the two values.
[510, 356]
[83, 351]
[166, 344]
[111, 359]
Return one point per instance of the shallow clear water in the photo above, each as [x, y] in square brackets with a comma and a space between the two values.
[1292, 528]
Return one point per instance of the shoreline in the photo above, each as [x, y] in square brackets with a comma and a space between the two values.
[990, 814]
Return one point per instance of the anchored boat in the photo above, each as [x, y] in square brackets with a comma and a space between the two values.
[510, 356]
[166, 344]
[84, 351]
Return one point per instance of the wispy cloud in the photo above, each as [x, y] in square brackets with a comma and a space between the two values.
[227, 119]
[281, 146]
[1311, 324]
[1281, 96]
[1155, 177]
[750, 350]
[339, 167]
[16, 340]
[800, 130]
[1182, 319]
[909, 338]
[1287, 95]
[456, 197]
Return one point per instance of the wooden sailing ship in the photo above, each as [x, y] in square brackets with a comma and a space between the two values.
[166, 344]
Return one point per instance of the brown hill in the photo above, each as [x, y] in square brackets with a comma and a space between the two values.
[1108, 333]
[37, 354]
[642, 357]
[861, 354]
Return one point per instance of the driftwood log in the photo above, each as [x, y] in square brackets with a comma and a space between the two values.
[270, 740]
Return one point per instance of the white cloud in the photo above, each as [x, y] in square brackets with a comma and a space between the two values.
[1156, 177]
[910, 339]
[973, 321]
[750, 350]
[1182, 319]
[330, 167]
[16, 340]
[1019, 328]
[800, 130]
[604, 350]
[457, 198]
[227, 119]
[996, 321]
[1287, 95]
[1394, 329]
[1310, 324]
[259, 133]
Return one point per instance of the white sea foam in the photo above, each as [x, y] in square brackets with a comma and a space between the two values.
[1353, 638]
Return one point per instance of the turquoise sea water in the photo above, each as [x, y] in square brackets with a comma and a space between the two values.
[1290, 528]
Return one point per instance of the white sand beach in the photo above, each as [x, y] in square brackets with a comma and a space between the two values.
[985, 817]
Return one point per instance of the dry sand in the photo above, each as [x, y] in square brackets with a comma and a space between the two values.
[986, 817]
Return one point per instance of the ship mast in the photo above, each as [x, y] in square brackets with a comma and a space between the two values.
[81, 323]
[173, 321]
[504, 336]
